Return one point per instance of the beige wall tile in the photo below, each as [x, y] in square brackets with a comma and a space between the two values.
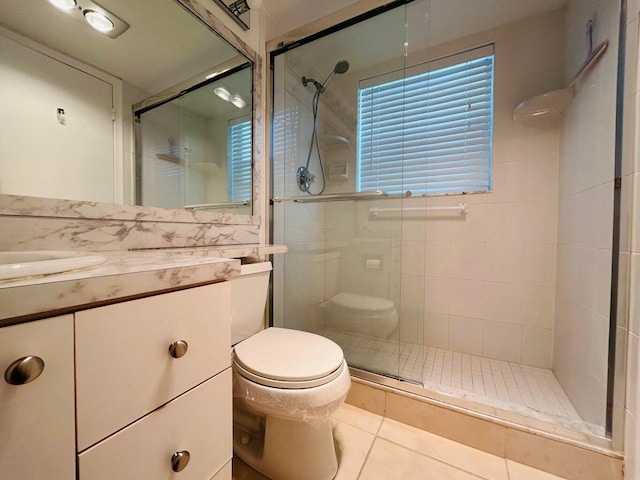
[561, 459]
[366, 397]
[537, 346]
[436, 330]
[438, 259]
[502, 341]
[468, 260]
[537, 306]
[465, 335]
[468, 297]
[503, 302]
[438, 293]
[505, 262]
[477, 433]
[471, 227]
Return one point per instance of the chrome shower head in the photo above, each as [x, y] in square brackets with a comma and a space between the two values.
[341, 67]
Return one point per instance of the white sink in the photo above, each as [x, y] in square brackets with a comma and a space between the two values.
[43, 262]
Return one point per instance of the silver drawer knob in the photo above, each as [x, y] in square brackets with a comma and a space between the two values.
[180, 460]
[178, 348]
[24, 370]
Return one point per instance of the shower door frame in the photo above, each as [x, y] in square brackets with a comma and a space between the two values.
[619, 288]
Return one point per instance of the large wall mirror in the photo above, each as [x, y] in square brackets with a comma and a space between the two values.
[69, 93]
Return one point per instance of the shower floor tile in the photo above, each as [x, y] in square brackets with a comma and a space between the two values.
[531, 391]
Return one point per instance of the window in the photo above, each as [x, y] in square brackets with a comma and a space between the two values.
[431, 132]
[239, 160]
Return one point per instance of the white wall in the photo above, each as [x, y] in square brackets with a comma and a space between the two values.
[586, 215]
[40, 156]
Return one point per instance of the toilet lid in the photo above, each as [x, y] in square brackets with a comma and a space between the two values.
[286, 355]
[354, 301]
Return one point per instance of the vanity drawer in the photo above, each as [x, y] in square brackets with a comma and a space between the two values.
[124, 368]
[198, 422]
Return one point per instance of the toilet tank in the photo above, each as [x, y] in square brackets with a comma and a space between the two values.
[248, 300]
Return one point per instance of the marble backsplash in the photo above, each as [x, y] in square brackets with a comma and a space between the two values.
[30, 223]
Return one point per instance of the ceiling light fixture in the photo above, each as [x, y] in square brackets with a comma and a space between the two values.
[238, 101]
[64, 4]
[98, 20]
[90, 13]
[223, 93]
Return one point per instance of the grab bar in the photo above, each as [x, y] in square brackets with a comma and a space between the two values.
[332, 197]
[214, 206]
[460, 209]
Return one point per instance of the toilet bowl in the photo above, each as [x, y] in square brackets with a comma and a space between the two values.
[361, 314]
[286, 384]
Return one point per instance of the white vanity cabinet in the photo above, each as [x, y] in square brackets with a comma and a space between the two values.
[136, 390]
[37, 425]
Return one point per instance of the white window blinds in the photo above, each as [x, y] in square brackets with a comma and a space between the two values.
[429, 133]
[239, 161]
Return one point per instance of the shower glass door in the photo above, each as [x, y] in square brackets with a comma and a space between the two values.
[354, 268]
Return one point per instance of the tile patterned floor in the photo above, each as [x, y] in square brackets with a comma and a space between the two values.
[509, 386]
[371, 447]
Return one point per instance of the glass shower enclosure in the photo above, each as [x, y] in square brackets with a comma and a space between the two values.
[438, 238]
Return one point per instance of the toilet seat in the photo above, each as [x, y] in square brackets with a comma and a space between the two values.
[288, 359]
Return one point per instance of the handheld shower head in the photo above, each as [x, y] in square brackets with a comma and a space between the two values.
[341, 67]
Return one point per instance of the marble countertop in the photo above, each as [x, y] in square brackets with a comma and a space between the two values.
[125, 274]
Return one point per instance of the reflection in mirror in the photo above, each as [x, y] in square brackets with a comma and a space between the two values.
[194, 151]
[69, 89]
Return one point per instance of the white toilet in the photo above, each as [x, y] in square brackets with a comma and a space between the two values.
[361, 314]
[286, 384]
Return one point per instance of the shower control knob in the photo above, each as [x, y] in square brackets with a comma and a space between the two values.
[178, 348]
[180, 460]
[24, 370]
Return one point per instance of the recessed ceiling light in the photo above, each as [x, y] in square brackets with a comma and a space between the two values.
[223, 93]
[64, 4]
[238, 101]
[98, 20]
